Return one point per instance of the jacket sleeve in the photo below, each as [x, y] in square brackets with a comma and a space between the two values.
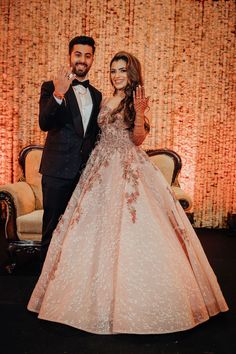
[49, 109]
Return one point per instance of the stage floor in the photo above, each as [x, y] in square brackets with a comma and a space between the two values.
[22, 333]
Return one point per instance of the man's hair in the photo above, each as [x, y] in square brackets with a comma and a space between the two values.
[82, 40]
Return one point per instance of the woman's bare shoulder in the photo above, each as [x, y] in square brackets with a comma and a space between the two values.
[106, 101]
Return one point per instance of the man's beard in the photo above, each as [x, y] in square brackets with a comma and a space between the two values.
[79, 72]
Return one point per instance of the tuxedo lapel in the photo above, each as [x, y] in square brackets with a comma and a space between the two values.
[74, 107]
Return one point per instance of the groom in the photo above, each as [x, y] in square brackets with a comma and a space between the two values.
[69, 107]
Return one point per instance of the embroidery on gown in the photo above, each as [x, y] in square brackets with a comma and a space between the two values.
[131, 174]
[115, 137]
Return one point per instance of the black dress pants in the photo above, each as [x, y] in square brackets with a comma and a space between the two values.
[56, 195]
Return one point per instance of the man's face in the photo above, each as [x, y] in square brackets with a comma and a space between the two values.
[81, 59]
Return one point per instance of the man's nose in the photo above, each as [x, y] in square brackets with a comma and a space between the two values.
[82, 59]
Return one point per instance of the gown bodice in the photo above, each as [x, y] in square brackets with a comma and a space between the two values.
[115, 133]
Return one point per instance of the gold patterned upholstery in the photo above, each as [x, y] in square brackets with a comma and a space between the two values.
[170, 164]
[29, 226]
[33, 177]
[21, 202]
[166, 165]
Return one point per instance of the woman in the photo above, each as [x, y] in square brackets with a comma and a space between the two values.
[124, 257]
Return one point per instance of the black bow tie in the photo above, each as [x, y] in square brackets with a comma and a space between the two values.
[83, 83]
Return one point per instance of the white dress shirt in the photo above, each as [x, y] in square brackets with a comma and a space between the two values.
[85, 103]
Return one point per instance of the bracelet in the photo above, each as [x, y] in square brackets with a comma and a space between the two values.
[139, 125]
[58, 95]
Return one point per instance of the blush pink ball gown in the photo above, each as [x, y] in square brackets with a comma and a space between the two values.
[124, 257]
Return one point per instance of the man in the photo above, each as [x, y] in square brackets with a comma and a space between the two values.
[69, 107]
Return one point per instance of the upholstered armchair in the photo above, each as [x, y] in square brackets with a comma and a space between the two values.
[21, 203]
[170, 164]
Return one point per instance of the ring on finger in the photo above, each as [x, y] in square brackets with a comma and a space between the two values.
[69, 76]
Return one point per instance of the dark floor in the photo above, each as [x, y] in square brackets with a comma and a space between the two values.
[22, 333]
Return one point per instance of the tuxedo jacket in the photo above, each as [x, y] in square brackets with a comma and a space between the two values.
[67, 148]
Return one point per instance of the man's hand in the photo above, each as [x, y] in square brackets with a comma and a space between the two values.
[63, 80]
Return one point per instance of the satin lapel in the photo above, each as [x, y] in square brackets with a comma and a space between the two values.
[93, 115]
[74, 107]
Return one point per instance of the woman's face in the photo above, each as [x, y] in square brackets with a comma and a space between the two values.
[118, 74]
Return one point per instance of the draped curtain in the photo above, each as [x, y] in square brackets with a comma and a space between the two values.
[187, 50]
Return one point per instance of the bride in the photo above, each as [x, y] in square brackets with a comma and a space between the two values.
[124, 257]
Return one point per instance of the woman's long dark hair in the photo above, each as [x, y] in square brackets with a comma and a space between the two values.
[135, 79]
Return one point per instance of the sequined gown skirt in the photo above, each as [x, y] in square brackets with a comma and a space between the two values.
[124, 257]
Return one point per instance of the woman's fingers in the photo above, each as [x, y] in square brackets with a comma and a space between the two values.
[139, 93]
[143, 92]
[140, 101]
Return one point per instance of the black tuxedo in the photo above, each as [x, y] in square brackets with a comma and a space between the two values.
[65, 153]
[66, 147]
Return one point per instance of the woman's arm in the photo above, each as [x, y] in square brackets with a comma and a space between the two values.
[139, 132]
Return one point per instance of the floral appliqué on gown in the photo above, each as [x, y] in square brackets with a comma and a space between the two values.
[124, 257]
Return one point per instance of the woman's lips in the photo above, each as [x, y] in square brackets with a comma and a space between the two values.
[118, 81]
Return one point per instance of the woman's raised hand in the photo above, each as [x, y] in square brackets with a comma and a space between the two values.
[140, 101]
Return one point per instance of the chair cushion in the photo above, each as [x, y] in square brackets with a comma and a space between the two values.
[22, 195]
[32, 175]
[30, 223]
[166, 165]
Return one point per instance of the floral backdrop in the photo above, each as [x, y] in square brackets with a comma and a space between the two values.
[187, 50]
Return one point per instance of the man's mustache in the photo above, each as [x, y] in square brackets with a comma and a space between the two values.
[79, 63]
